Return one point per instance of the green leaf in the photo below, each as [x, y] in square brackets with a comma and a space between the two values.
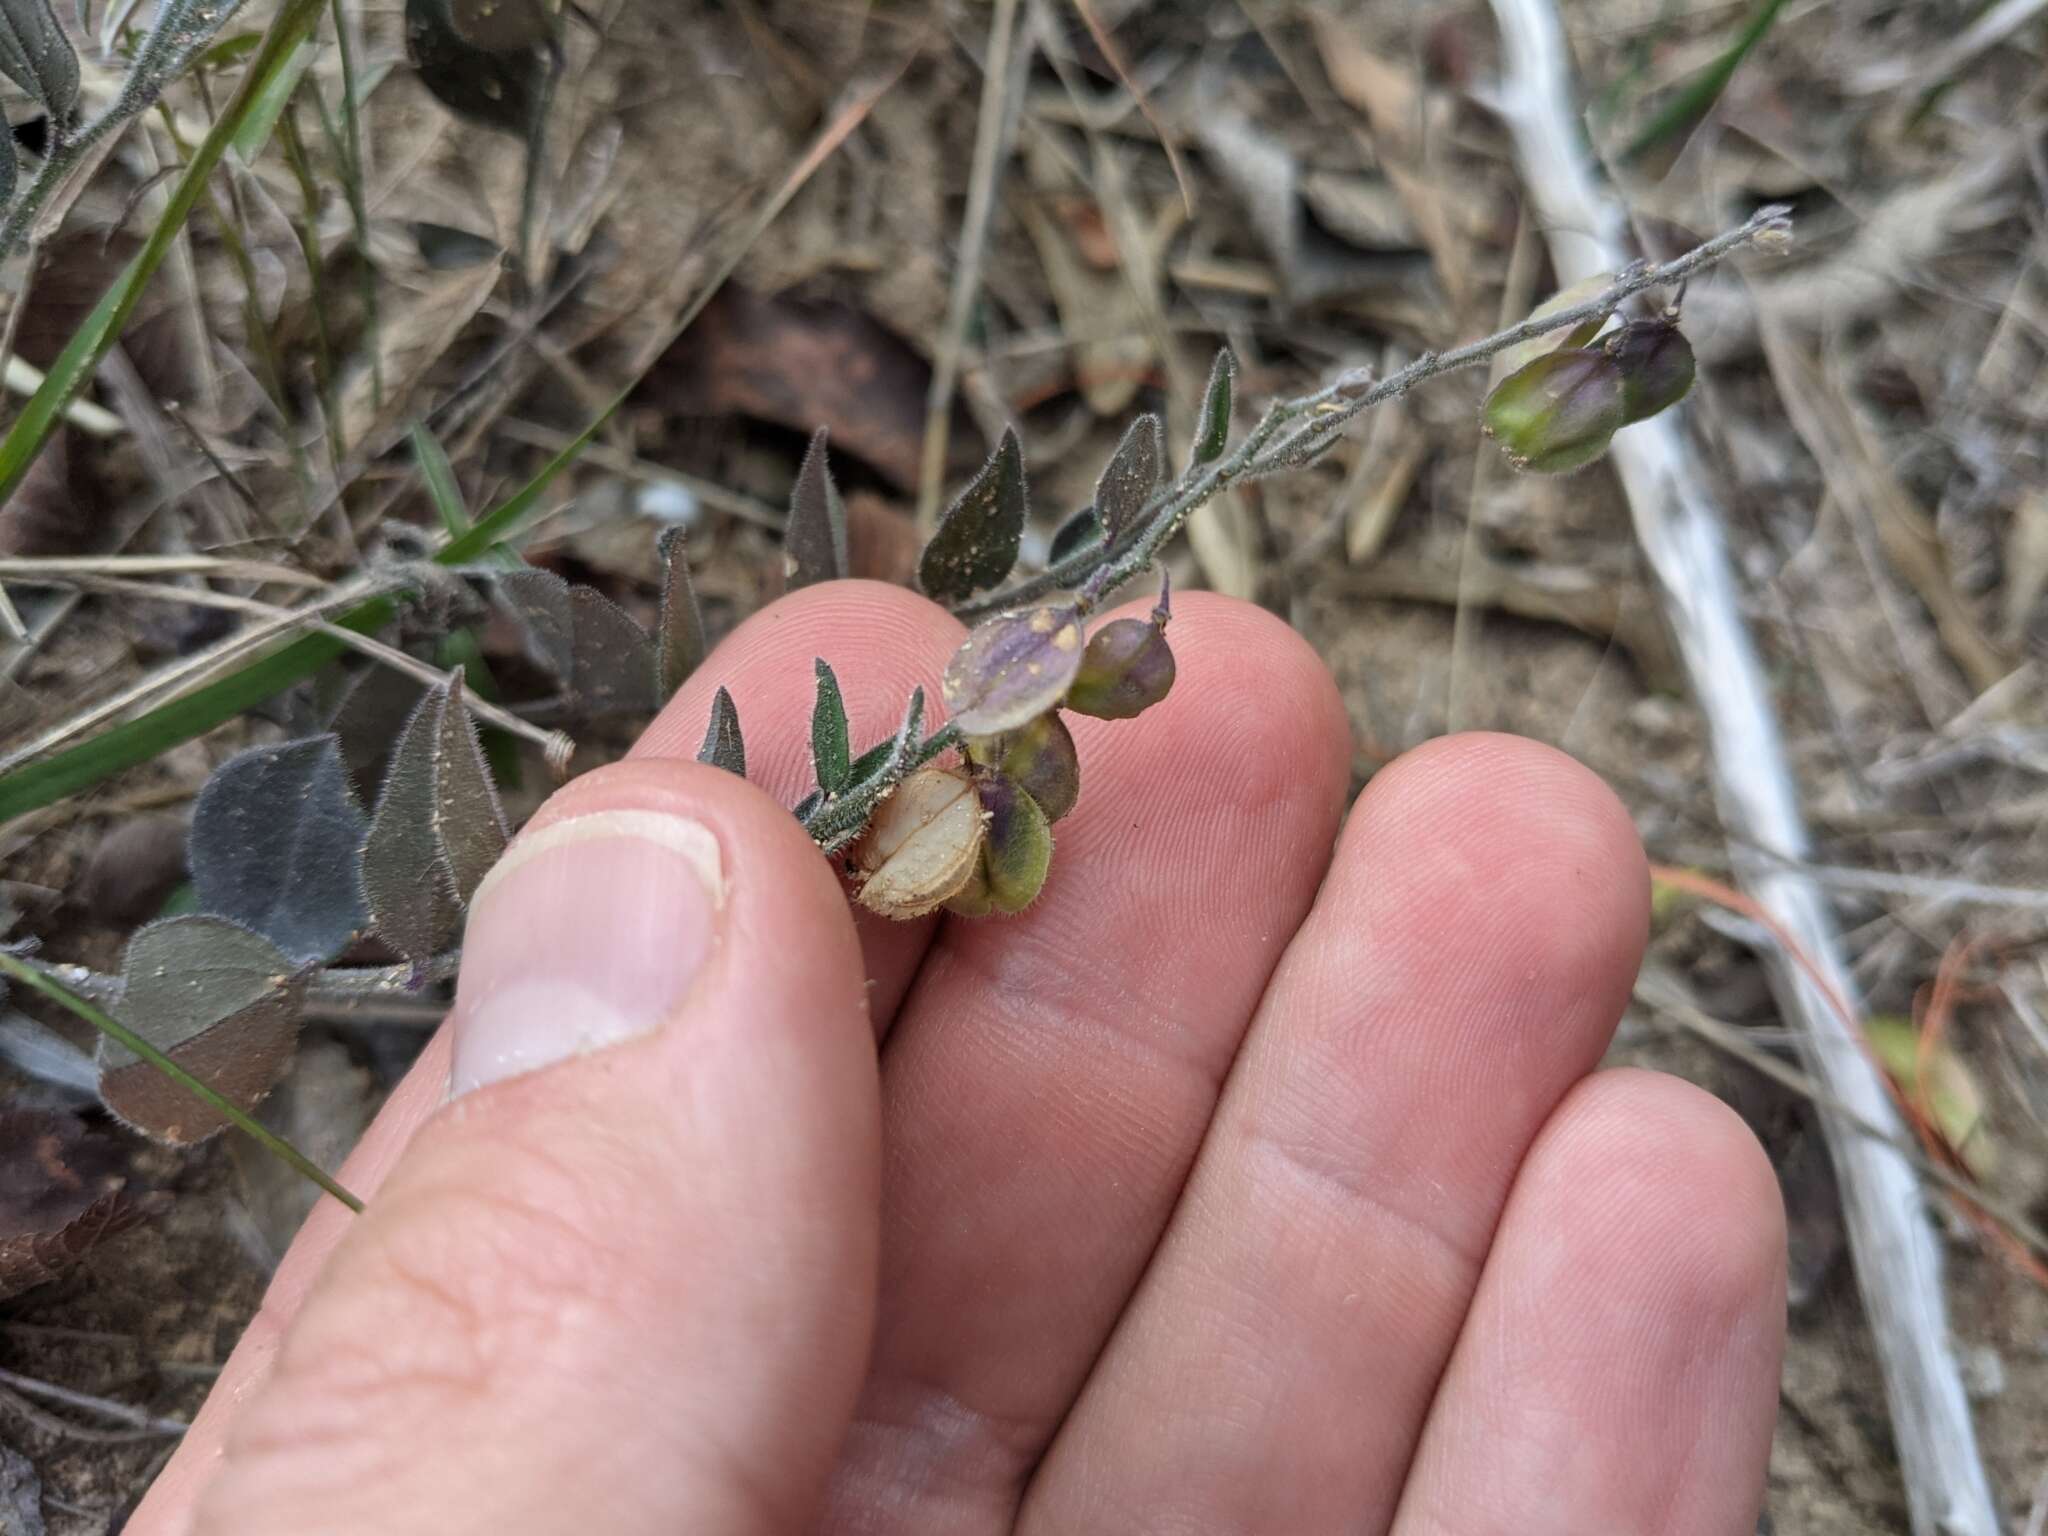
[830, 751]
[1131, 476]
[410, 890]
[615, 666]
[814, 545]
[221, 1002]
[469, 821]
[10, 166]
[276, 846]
[978, 537]
[1075, 534]
[681, 645]
[439, 477]
[723, 746]
[37, 56]
[368, 720]
[1664, 137]
[270, 102]
[1212, 435]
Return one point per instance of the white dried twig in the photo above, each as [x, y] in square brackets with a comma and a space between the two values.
[1898, 1262]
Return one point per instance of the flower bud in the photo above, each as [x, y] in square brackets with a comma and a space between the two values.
[1656, 366]
[1127, 668]
[924, 845]
[1040, 756]
[1013, 669]
[1558, 413]
[1016, 852]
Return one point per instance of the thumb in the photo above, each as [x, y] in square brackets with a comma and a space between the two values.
[624, 1281]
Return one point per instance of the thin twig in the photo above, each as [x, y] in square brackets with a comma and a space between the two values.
[1898, 1260]
[120, 1413]
[1314, 420]
[991, 142]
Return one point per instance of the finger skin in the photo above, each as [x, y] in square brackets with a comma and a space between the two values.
[902, 641]
[1051, 1075]
[1465, 965]
[1619, 1369]
[881, 641]
[632, 1290]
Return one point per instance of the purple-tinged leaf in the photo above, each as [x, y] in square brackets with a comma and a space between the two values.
[1013, 668]
[724, 747]
[1016, 852]
[1040, 756]
[814, 544]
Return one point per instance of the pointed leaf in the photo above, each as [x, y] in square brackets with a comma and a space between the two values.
[276, 846]
[1212, 433]
[814, 545]
[37, 56]
[217, 999]
[1131, 476]
[469, 821]
[539, 600]
[502, 81]
[830, 751]
[681, 641]
[368, 722]
[978, 538]
[410, 891]
[614, 672]
[10, 169]
[1075, 534]
[723, 746]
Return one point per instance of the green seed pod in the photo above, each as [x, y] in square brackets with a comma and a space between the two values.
[1040, 756]
[1127, 668]
[1656, 366]
[1558, 413]
[1015, 854]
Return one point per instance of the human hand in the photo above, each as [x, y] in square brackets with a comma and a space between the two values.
[1238, 1186]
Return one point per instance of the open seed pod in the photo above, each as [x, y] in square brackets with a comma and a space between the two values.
[924, 844]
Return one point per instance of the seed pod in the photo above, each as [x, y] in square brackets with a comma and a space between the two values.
[1040, 756]
[1015, 853]
[924, 844]
[1127, 668]
[1558, 413]
[1656, 366]
[1013, 669]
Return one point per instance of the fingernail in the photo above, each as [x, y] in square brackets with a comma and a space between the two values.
[589, 932]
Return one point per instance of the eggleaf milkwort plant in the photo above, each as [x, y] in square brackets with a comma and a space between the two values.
[959, 818]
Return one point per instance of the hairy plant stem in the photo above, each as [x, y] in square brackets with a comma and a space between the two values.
[1295, 432]
[181, 31]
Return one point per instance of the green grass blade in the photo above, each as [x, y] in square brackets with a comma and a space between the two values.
[1674, 123]
[439, 476]
[69, 374]
[114, 1029]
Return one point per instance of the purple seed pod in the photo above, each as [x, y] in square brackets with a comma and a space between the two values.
[1040, 756]
[1558, 413]
[1013, 668]
[1656, 366]
[1127, 668]
[1016, 852]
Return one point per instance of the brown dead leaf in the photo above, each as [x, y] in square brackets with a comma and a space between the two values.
[61, 1191]
[802, 364]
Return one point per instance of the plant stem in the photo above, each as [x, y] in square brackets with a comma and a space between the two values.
[1317, 417]
[115, 1030]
